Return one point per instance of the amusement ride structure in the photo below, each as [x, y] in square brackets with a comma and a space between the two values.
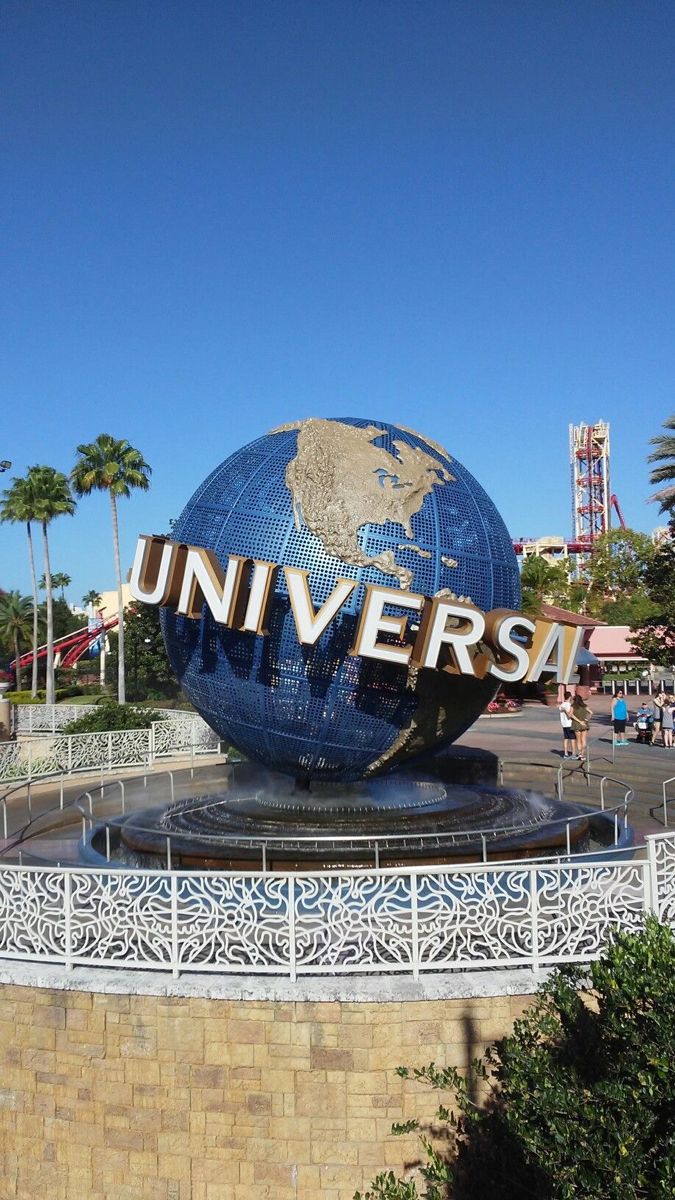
[592, 498]
[70, 648]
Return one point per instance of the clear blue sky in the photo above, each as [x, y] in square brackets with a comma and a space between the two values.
[220, 216]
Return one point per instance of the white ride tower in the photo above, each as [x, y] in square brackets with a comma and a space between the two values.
[589, 467]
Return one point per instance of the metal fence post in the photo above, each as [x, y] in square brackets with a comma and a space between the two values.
[534, 918]
[652, 904]
[414, 928]
[110, 751]
[291, 928]
[174, 926]
[68, 931]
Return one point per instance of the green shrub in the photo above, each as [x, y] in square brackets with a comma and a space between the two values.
[110, 716]
[64, 693]
[581, 1096]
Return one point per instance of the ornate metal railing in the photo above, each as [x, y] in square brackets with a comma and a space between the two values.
[408, 921]
[67, 753]
[52, 718]
[47, 718]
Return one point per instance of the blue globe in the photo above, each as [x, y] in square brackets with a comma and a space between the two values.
[340, 498]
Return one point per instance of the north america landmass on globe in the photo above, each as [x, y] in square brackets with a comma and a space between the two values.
[340, 481]
[339, 498]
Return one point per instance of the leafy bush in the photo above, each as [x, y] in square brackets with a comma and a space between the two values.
[110, 716]
[25, 696]
[581, 1096]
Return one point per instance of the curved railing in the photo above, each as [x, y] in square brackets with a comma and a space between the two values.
[39, 758]
[408, 920]
[93, 806]
[47, 718]
[404, 921]
[52, 718]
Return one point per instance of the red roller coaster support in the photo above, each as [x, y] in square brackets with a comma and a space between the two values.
[70, 648]
[617, 509]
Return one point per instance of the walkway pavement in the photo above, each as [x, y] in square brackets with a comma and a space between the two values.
[535, 736]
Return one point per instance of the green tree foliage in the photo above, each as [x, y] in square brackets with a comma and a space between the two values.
[149, 673]
[614, 571]
[64, 620]
[116, 467]
[59, 580]
[664, 454]
[631, 610]
[655, 637]
[111, 716]
[18, 506]
[91, 597]
[15, 626]
[580, 1101]
[542, 582]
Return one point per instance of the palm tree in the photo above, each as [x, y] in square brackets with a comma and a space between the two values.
[18, 505]
[59, 580]
[542, 581]
[665, 455]
[91, 597]
[15, 625]
[53, 498]
[115, 467]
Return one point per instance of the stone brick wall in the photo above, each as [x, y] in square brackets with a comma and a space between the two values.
[119, 1097]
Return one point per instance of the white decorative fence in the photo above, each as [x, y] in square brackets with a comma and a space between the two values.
[68, 753]
[388, 921]
[47, 718]
[52, 718]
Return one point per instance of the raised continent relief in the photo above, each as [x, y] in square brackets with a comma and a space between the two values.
[340, 480]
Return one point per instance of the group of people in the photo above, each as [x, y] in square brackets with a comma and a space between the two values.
[651, 720]
[654, 718]
[575, 718]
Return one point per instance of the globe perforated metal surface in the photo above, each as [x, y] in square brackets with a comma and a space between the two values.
[315, 711]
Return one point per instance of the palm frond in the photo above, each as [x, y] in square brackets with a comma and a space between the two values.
[109, 464]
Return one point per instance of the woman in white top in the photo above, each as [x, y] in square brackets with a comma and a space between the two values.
[569, 741]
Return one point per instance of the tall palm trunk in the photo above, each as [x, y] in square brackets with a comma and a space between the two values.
[33, 575]
[49, 682]
[121, 691]
[17, 668]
